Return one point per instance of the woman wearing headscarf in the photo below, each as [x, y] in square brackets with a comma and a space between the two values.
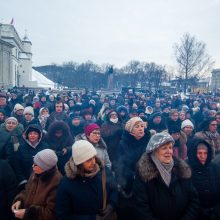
[210, 134]
[130, 149]
[37, 201]
[163, 188]
[83, 193]
[206, 179]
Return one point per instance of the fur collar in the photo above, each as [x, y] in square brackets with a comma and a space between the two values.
[72, 171]
[148, 171]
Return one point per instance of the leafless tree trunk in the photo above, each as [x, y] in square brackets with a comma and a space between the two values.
[192, 58]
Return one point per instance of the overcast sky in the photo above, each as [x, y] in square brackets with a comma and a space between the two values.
[113, 31]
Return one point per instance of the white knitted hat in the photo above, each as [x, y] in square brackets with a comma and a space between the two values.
[28, 110]
[131, 123]
[46, 159]
[18, 107]
[187, 122]
[82, 151]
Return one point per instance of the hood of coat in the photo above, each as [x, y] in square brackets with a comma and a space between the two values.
[58, 125]
[100, 144]
[148, 171]
[35, 127]
[192, 151]
[72, 171]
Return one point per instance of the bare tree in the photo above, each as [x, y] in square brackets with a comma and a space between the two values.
[192, 58]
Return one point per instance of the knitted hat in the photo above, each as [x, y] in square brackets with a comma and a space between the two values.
[82, 151]
[158, 140]
[28, 110]
[174, 129]
[18, 107]
[187, 122]
[131, 123]
[155, 114]
[46, 159]
[11, 119]
[90, 128]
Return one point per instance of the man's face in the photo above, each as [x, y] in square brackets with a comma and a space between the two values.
[2, 101]
[218, 118]
[59, 107]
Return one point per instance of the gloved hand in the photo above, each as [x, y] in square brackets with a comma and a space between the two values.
[107, 212]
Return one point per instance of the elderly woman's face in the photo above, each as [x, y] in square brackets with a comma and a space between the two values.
[138, 130]
[10, 125]
[95, 136]
[164, 153]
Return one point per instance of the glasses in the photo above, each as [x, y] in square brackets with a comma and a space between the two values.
[213, 124]
[96, 133]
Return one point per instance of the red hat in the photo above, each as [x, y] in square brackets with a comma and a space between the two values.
[90, 128]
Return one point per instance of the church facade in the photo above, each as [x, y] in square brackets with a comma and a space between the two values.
[15, 58]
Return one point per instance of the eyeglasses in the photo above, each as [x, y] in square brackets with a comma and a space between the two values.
[96, 133]
[213, 124]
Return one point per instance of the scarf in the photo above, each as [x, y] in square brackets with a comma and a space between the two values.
[94, 172]
[164, 169]
[211, 134]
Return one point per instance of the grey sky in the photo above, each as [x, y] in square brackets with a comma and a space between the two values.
[113, 31]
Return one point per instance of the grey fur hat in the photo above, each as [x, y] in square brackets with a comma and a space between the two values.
[158, 140]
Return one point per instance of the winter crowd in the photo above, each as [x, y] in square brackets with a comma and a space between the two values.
[89, 156]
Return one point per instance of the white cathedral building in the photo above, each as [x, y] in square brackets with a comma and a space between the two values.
[16, 61]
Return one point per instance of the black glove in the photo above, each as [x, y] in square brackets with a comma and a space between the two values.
[107, 212]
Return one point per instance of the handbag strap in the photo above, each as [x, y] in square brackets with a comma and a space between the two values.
[104, 192]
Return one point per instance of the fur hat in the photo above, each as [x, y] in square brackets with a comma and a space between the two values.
[28, 110]
[131, 123]
[187, 122]
[46, 159]
[158, 140]
[90, 128]
[82, 151]
[18, 107]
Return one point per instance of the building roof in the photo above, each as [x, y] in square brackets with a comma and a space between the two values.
[42, 81]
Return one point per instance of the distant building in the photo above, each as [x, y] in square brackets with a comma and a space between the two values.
[215, 80]
[15, 58]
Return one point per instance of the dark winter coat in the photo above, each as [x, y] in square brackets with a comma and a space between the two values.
[111, 133]
[130, 151]
[34, 121]
[58, 144]
[25, 154]
[154, 200]
[8, 186]
[80, 197]
[206, 179]
[39, 195]
[157, 127]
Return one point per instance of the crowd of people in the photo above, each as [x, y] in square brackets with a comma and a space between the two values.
[89, 156]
